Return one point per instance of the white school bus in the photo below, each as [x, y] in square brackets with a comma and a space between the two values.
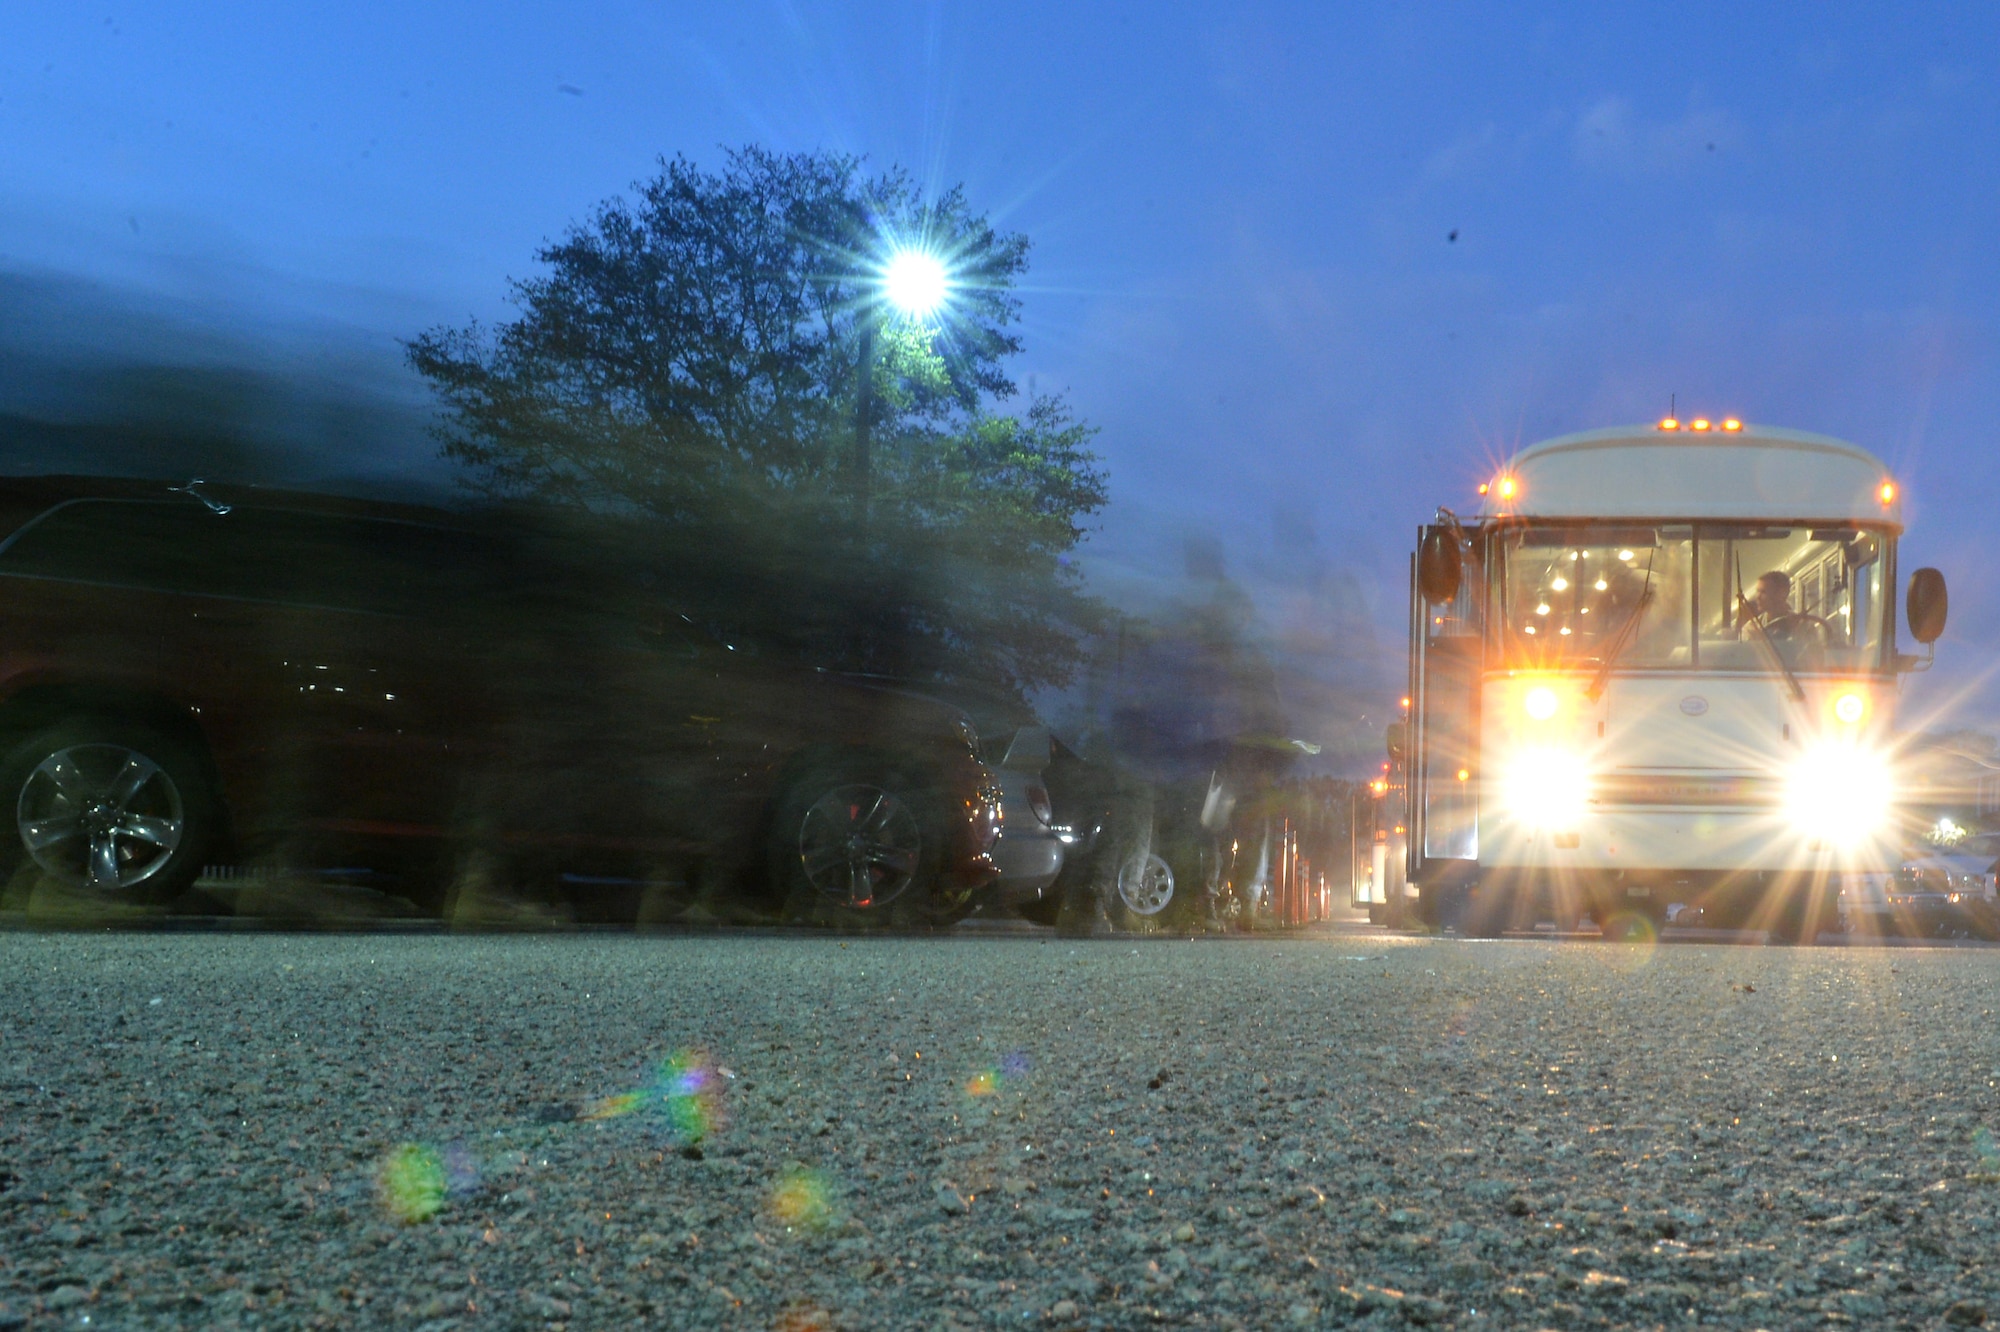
[1659, 666]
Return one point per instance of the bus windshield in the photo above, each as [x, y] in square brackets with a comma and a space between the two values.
[1681, 597]
[1572, 594]
[1812, 596]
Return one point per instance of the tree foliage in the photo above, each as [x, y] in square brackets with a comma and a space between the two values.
[689, 369]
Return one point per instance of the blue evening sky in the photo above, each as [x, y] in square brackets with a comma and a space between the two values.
[1242, 216]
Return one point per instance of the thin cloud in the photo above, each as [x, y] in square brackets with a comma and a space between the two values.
[1611, 136]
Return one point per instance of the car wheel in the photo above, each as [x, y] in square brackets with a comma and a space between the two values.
[1145, 884]
[119, 810]
[861, 847]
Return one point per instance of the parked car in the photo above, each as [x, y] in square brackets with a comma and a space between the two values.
[1034, 838]
[206, 675]
[1945, 895]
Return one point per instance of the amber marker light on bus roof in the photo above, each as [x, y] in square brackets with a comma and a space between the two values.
[1731, 423]
[1699, 423]
[1506, 486]
[1886, 492]
[1669, 423]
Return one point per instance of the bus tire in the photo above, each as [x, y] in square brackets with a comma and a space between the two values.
[1486, 911]
[1801, 917]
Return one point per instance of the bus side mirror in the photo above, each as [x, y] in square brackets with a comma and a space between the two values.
[1925, 605]
[1398, 739]
[1438, 566]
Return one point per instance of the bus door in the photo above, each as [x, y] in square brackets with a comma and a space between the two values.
[1447, 637]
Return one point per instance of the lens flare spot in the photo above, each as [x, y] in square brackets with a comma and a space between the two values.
[804, 1317]
[462, 1177]
[411, 1183]
[689, 1091]
[1634, 938]
[1987, 1157]
[987, 1081]
[801, 1200]
[612, 1107]
[685, 1093]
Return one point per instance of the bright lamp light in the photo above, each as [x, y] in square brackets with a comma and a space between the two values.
[1839, 794]
[1546, 788]
[915, 283]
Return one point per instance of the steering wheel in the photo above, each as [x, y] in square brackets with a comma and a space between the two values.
[1793, 626]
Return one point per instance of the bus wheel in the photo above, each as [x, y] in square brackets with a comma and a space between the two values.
[1485, 911]
[1801, 919]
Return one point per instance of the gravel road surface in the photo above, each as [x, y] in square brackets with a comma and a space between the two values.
[782, 1133]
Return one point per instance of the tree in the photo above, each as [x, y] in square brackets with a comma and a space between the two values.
[690, 369]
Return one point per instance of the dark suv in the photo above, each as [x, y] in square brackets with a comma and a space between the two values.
[204, 675]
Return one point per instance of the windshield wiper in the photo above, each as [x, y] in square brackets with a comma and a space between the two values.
[1797, 691]
[1619, 640]
[1764, 637]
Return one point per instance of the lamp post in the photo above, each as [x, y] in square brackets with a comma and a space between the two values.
[915, 285]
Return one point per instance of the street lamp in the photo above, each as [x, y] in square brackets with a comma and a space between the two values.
[916, 285]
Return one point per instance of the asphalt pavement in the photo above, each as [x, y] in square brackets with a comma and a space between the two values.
[596, 1130]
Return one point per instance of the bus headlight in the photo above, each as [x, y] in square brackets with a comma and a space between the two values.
[1839, 794]
[1546, 788]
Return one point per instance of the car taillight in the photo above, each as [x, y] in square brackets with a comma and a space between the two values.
[1038, 802]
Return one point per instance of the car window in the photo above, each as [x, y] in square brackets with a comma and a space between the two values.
[289, 556]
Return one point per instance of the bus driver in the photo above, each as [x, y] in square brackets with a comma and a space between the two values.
[1769, 607]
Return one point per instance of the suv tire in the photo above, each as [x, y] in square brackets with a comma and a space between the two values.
[854, 845]
[114, 807]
